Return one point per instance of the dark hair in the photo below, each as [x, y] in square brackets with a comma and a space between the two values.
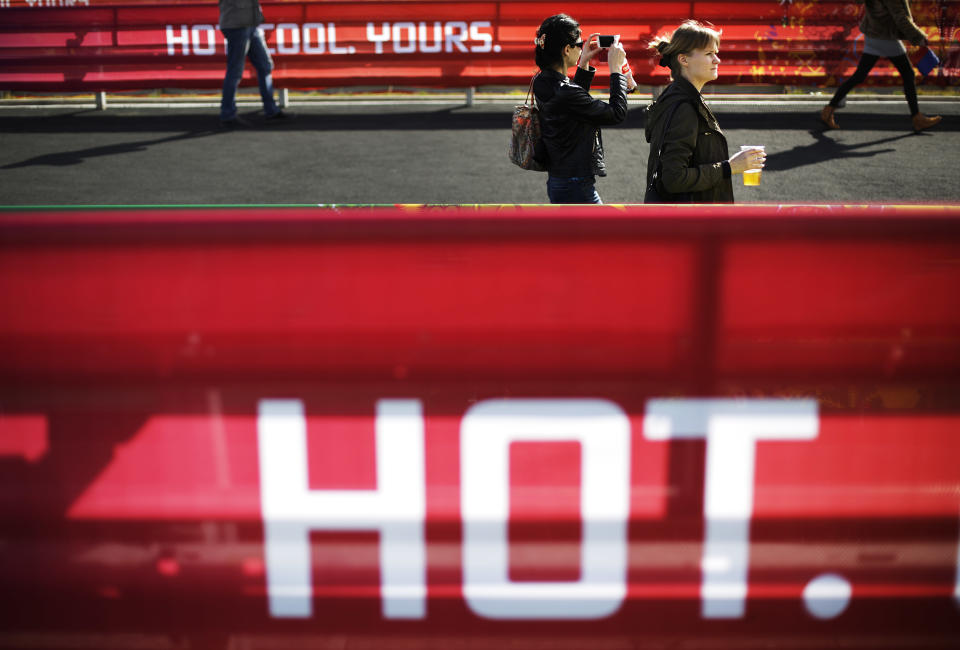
[555, 33]
[689, 36]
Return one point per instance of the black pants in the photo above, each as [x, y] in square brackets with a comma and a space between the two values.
[867, 61]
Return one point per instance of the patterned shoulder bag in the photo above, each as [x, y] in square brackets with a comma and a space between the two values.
[526, 134]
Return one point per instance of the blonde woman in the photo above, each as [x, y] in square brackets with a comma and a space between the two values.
[695, 165]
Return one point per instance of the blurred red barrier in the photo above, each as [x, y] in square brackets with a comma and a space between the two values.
[436, 425]
[130, 44]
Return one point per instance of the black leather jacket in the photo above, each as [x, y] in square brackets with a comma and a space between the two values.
[570, 120]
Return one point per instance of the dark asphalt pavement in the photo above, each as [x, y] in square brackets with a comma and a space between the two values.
[431, 153]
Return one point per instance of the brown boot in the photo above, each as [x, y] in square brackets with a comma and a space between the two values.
[921, 122]
[826, 116]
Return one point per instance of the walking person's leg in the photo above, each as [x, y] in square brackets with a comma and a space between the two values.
[905, 68]
[237, 41]
[263, 64]
[867, 61]
[907, 75]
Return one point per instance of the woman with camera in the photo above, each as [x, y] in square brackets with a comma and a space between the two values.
[689, 160]
[570, 118]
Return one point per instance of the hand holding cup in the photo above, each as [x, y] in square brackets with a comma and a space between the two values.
[749, 161]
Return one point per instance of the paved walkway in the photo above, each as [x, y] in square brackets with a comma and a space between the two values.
[429, 152]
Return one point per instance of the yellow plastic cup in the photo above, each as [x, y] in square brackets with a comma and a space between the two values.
[752, 176]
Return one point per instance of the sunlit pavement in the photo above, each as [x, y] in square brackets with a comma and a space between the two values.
[443, 151]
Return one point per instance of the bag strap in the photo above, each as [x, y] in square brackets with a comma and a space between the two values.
[529, 100]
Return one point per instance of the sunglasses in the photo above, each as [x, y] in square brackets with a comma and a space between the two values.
[578, 44]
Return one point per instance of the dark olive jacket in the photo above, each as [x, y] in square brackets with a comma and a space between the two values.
[891, 20]
[570, 121]
[695, 155]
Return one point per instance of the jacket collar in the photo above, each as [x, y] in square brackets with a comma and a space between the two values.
[553, 74]
[684, 90]
[684, 87]
[679, 90]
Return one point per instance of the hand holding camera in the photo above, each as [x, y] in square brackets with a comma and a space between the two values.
[616, 57]
[609, 48]
[590, 50]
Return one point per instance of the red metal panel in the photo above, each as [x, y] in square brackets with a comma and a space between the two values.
[139, 347]
[128, 45]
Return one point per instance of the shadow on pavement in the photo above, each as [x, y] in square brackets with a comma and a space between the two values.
[93, 121]
[337, 118]
[826, 148]
[66, 158]
[377, 118]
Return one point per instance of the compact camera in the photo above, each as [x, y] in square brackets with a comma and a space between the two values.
[607, 40]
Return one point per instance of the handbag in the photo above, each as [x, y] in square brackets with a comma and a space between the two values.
[526, 134]
[653, 194]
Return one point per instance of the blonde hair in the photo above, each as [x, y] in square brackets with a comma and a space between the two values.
[689, 36]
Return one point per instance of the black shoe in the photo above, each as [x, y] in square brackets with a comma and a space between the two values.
[280, 116]
[235, 123]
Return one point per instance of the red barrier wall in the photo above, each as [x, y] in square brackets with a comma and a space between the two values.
[110, 45]
[729, 426]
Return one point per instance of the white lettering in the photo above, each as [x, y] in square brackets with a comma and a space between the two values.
[332, 37]
[603, 431]
[437, 38]
[211, 37]
[477, 35]
[411, 39]
[183, 39]
[294, 31]
[732, 429]
[397, 508]
[320, 38]
[266, 27]
[308, 46]
[827, 596]
[378, 39]
[452, 39]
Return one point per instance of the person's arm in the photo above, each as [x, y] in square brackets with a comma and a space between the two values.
[584, 77]
[587, 108]
[900, 12]
[680, 141]
[585, 72]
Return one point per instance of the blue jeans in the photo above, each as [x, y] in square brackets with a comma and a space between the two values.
[241, 43]
[579, 189]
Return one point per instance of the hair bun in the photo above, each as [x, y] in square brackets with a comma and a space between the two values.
[662, 44]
